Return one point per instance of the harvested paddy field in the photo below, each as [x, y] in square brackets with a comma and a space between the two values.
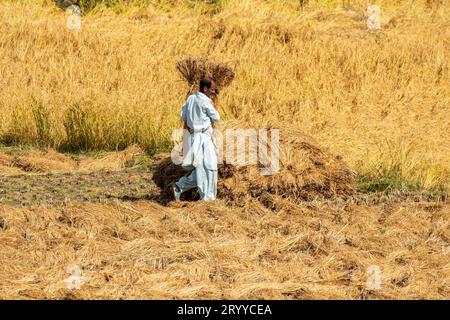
[86, 242]
[358, 210]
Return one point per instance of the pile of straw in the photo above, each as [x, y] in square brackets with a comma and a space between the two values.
[51, 161]
[114, 161]
[194, 69]
[305, 172]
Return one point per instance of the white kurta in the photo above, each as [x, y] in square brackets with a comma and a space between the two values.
[199, 113]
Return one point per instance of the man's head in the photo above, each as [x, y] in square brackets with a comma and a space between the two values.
[208, 87]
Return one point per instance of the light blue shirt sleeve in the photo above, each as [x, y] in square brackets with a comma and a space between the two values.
[212, 113]
[183, 110]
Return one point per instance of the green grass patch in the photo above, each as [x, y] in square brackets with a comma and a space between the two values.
[386, 182]
[392, 181]
[18, 150]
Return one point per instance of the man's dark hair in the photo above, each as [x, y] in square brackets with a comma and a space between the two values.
[205, 83]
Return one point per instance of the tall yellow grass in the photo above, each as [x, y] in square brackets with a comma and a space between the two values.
[381, 100]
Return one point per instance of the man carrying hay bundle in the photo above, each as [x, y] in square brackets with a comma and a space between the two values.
[198, 115]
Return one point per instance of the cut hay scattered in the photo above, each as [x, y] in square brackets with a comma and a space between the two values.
[51, 161]
[112, 162]
[6, 166]
[194, 69]
[141, 250]
[305, 172]
[9, 170]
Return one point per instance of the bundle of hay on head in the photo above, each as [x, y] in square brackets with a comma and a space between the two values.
[195, 69]
[304, 171]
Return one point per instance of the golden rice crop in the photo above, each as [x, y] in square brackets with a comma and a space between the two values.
[378, 99]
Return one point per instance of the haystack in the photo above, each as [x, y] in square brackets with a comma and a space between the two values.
[194, 69]
[305, 173]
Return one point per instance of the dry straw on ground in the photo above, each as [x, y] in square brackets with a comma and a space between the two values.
[305, 171]
[199, 251]
[54, 162]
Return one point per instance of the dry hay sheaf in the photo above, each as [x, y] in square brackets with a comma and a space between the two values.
[53, 161]
[305, 171]
[142, 250]
[194, 69]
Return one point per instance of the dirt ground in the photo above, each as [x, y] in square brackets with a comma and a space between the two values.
[59, 188]
[50, 178]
